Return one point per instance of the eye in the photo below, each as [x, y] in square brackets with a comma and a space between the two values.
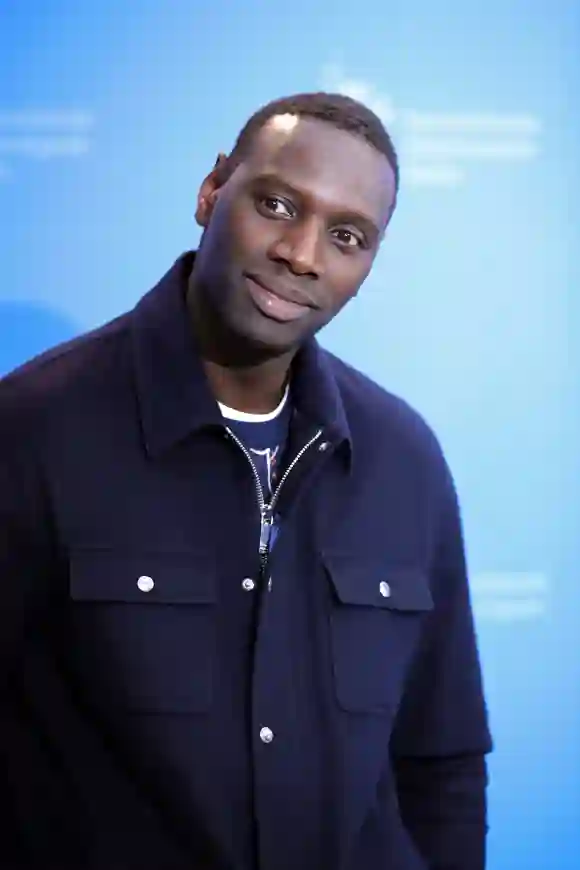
[275, 206]
[348, 238]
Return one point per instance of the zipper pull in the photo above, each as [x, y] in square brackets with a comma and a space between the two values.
[266, 521]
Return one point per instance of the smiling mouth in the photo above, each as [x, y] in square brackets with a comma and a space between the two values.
[274, 306]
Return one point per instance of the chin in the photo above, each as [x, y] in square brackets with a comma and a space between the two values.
[273, 342]
[252, 334]
[268, 338]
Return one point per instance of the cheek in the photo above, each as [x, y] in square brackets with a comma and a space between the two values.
[346, 278]
[222, 225]
[247, 234]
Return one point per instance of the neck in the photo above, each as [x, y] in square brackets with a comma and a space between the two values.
[240, 377]
[255, 389]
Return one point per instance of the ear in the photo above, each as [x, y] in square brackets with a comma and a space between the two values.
[209, 191]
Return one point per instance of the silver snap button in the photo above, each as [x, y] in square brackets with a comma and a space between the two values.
[324, 446]
[385, 589]
[248, 584]
[266, 735]
[145, 584]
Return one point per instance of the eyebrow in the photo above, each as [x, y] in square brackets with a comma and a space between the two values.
[345, 215]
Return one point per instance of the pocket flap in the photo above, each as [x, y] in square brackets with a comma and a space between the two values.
[366, 583]
[101, 575]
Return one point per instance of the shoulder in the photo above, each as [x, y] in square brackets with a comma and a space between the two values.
[62, 375]
[380, 420]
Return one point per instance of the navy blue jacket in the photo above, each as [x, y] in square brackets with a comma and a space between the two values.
[159, 712]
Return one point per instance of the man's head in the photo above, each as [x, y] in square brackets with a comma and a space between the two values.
[292, 219]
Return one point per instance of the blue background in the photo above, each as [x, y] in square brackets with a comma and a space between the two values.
[111, 114]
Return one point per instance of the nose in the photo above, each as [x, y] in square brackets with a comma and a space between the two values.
[299, 247]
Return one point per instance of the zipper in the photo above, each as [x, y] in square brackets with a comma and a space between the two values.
[267, 507]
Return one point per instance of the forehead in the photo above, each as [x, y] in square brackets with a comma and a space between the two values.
[336, 168]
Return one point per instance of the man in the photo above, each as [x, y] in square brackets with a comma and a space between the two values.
[236, 622]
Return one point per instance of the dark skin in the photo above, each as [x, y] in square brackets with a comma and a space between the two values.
[290, 234]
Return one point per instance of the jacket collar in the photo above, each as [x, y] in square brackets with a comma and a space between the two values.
[174, 396]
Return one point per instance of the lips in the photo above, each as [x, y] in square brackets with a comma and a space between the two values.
[278, 304]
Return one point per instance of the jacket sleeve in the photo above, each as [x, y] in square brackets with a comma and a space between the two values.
[441, 735]
[26, 556]
[26, 536]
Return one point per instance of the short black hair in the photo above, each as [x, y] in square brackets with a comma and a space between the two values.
[343, 112]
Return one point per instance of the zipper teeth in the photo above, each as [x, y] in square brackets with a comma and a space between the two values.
[257, 481]
[259, 491]
[288, 471]
[262, 504]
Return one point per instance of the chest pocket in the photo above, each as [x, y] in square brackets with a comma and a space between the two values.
[143, 629]
[377, 614]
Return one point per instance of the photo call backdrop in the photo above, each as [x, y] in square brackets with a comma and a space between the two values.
[111, 114]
